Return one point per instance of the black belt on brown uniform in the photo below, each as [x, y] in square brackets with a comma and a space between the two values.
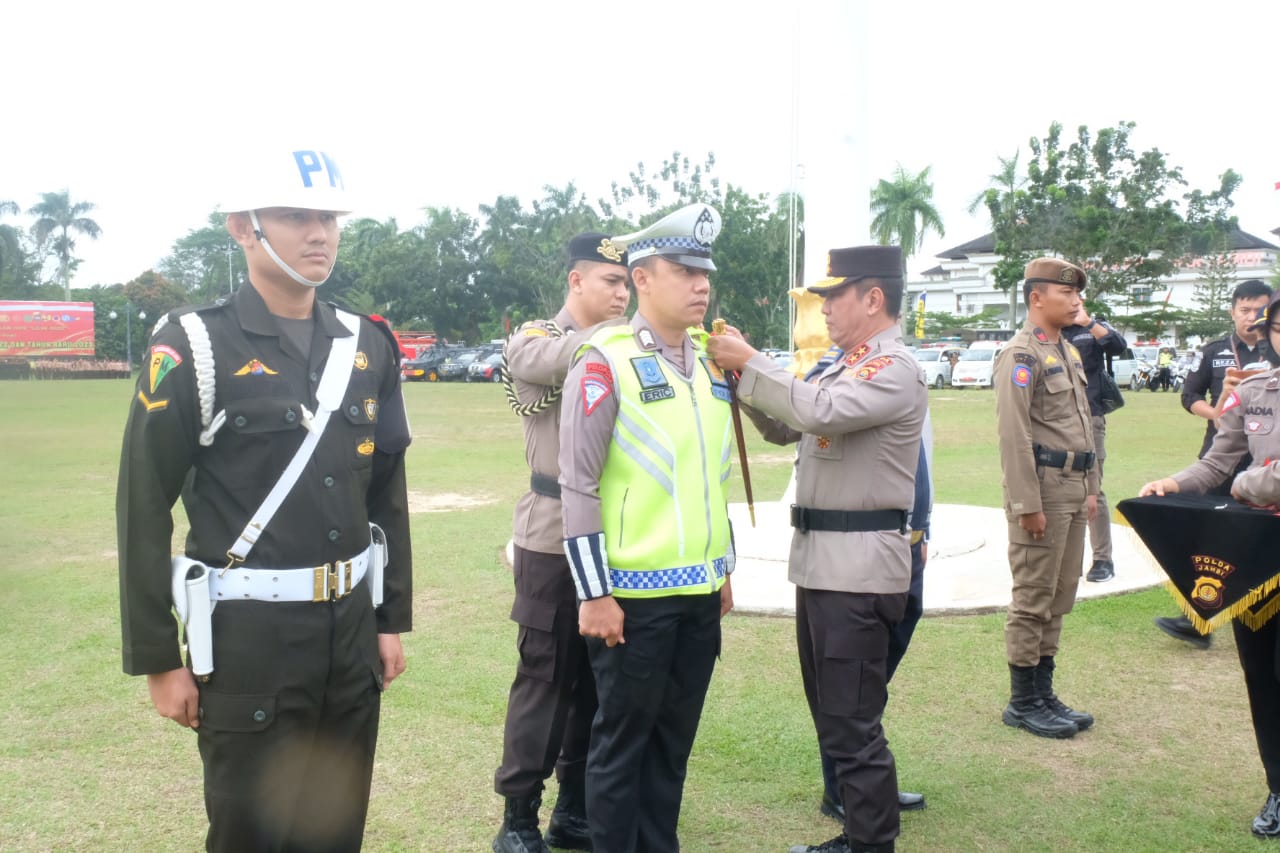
[545, 485]
[805, 518]
[1080, 460]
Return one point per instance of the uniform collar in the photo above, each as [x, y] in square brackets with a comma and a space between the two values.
[254, 317]
[565, 320]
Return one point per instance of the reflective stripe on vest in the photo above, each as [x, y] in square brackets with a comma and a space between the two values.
[662, 491]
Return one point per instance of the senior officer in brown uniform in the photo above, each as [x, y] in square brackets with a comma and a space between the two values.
[859, 424]
[1247, 429]
[553, 697]
[1050, 490]
[279, 419]
[645, 446]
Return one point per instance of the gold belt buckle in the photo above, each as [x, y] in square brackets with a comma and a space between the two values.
[328, 584]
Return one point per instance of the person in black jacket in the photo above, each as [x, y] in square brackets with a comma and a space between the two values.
[1094, 338]
[1208, 375]
[305, 634]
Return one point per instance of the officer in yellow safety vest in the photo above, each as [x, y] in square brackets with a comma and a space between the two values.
[645, 444]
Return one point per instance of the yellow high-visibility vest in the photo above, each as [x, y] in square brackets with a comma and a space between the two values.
[663, 490]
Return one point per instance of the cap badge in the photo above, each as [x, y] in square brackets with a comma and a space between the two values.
[607, 250]
[1067, 276]
[704, 230]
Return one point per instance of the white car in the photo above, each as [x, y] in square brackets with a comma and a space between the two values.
[973, 370]
[936, 364]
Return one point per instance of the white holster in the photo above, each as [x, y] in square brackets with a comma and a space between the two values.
[195, 609]
[379, 556]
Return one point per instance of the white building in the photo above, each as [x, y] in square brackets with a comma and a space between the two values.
[963, 282]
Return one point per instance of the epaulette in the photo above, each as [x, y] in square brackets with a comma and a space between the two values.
[379, 322]
[176, 314]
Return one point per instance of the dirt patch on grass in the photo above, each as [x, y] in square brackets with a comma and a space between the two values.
[446, 501]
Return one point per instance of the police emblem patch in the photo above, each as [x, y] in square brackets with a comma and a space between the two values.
[371, 408]
[593, 391]
[365, 448]
[1022, 375]
[648, 371]
[255, 368]
[162, 360]
[606, 249]
[362, 361]
[704, 230]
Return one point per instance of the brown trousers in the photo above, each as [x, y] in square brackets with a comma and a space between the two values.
[1046, 572]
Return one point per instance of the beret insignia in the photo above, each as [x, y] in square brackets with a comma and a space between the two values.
[607, 250]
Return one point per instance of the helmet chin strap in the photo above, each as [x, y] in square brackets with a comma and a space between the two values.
[290, 271]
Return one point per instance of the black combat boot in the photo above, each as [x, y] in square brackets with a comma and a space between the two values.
[1027, 711]
[519, 832]
[1267, 823]
[1044, 689]
[568, 829]
[842, 844]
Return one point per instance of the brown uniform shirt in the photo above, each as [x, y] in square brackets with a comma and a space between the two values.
[585, 438]
[538, 361]
[1247, 425]
[859, 425]
[1041, 399]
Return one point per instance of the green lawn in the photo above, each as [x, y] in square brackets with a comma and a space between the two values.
[85, 764]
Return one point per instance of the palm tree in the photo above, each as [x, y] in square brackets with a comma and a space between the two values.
[904, 211]
[58, 217]
[1006, 181]
[10, 244]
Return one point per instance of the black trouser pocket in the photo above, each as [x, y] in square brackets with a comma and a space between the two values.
[851, 676]
[536, 640]
[237, 713]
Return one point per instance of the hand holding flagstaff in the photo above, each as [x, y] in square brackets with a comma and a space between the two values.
[726, 344]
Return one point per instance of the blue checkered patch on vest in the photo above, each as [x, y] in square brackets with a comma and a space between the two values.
[665, 578]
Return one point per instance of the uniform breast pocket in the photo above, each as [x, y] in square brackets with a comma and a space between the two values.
[264, 430]
[826, 446]
[360, 416]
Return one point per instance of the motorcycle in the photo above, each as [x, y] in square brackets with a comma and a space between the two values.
[1142, 373]
[1178, 376]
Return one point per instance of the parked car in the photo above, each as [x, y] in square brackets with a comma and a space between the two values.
[937, 365]
[1124, 366]
[973, 370]
[424, 368]
[454, 367]
[487, 369]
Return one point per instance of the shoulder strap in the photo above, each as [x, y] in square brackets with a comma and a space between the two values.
[333, 387]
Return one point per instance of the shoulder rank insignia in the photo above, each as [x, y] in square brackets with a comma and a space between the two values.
[535, 332]
[255, 368]
[362, 361]
[874, 366]
[163, 359]
[646, 339]
[152, 405]
[1040, 335]
[852, 358]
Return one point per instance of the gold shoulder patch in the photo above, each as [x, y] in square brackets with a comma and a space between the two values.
[535, 332]
[152, 405]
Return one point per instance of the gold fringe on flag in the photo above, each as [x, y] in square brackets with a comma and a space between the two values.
[1241, 609]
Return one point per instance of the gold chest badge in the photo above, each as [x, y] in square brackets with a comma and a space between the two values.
[362, 361]
[365, 448]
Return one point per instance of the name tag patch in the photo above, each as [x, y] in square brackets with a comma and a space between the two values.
[666, 392]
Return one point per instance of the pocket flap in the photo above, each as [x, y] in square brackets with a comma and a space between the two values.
[532, 613]
[236, 712]
[264, 414]
[856, 644]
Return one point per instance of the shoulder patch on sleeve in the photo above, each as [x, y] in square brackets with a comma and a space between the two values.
[1025, 358]
[1232, 400]
[594, 390]
[534, 332]
[1021, 375]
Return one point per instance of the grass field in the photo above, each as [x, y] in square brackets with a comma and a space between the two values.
[85, 764]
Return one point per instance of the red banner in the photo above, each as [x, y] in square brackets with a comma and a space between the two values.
[46, 329]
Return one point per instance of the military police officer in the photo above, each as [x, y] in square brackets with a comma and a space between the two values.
[279, 419]
[859, 424]
[1050, 490]
[645, 444]
[553, 697]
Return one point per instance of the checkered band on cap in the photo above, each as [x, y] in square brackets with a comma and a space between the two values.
[655, 245]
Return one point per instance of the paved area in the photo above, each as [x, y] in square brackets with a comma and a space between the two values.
[967, 572]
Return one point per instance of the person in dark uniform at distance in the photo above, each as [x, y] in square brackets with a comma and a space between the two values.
[553, 698]
[859, 424]
[1050, 490]
[287, 721]
[1246, 429]
[645, 456]
[1215, 371]
[1094, 338]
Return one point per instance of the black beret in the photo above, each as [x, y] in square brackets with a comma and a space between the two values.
[594, 246]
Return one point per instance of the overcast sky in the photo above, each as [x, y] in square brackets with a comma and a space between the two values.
[135, 106]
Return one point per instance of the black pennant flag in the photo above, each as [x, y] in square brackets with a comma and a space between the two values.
[1222, 557]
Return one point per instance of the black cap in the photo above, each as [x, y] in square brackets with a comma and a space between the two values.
[594, 246]
[845, 266]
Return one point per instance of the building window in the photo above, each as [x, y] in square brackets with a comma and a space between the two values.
[1140, 294]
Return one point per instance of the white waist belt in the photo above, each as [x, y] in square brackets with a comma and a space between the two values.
[331, 581]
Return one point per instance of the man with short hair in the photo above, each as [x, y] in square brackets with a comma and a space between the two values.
[280, 421]
[1094, 338]
[553, 697]
[645, 456]
[1211, 374]
[1050, 490]
[859, 424]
